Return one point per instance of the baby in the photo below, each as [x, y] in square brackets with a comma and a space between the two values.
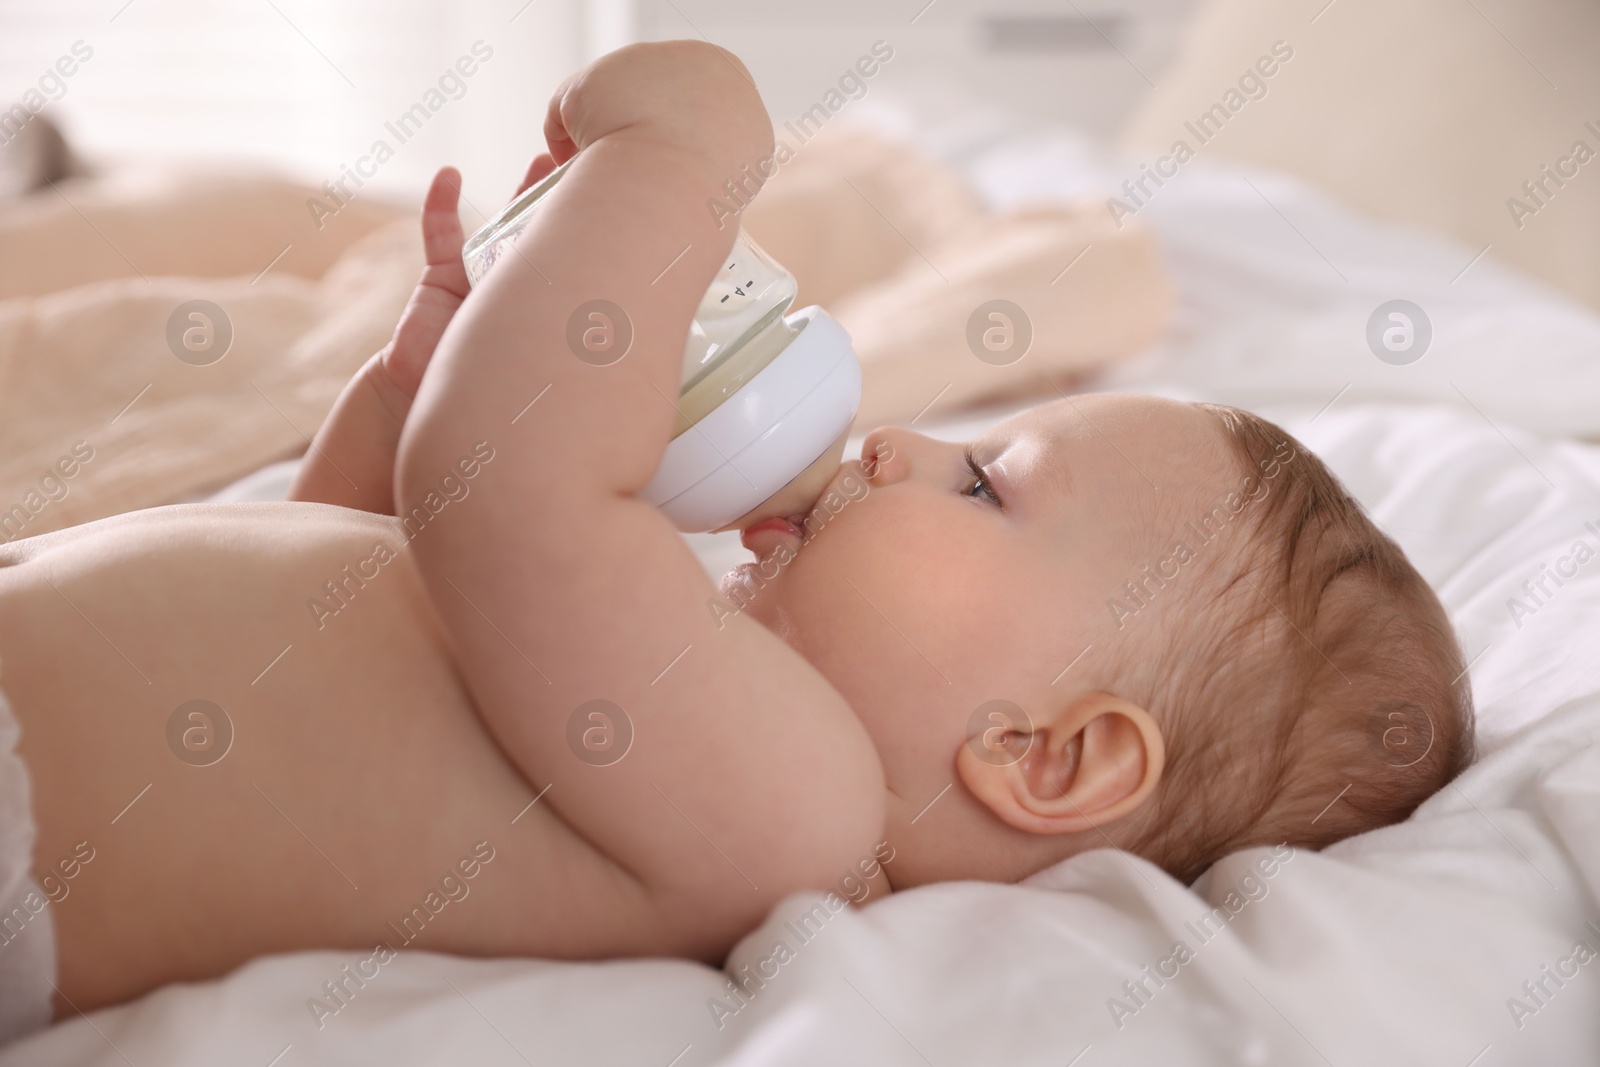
[467, 693]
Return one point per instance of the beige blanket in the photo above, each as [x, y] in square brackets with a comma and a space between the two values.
[113, 395]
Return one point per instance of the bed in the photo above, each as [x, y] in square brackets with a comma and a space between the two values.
[1466, 936]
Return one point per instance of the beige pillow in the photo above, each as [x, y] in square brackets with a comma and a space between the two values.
[1430, 112]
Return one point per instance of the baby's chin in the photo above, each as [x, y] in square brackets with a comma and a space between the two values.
[734, 584]
[748, 584]
[751, 589]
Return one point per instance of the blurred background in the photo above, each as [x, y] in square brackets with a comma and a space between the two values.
[306, 86]
[1432, 113]
[1207, 183]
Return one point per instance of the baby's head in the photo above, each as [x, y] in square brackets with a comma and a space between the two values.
[1158, 625]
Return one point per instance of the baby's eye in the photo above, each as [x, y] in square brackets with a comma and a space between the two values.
[980, 482]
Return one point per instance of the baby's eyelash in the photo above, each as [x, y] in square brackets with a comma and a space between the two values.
[980, 480]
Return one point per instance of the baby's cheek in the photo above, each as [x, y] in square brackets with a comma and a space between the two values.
[914, 581]
[876, 618]
[923, 564]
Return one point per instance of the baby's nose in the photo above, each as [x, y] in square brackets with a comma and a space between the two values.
[886, 453]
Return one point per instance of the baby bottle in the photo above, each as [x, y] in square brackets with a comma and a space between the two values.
[766, 397]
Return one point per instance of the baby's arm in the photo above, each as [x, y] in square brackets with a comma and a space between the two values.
[749, 776]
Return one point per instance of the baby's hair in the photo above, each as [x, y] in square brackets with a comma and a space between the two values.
[1316, 689]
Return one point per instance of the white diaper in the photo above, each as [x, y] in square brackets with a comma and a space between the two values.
[27, 932]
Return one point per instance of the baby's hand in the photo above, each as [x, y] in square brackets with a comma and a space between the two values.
[444, 284]
[694, 93]
[685, 92]
[351, 462]
[439, 292]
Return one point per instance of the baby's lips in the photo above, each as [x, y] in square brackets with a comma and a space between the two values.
[764, 538]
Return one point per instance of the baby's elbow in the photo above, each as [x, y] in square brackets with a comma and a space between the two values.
[833, 829]
[830, 839]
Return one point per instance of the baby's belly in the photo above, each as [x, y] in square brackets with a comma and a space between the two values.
[250, 716]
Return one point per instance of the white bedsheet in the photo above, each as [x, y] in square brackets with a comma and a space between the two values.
[1409, 945]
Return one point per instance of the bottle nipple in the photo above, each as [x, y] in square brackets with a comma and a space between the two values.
[800, 495]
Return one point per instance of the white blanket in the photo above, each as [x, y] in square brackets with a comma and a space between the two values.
[1465, 936]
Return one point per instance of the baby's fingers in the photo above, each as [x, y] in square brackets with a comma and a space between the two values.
[442, 237]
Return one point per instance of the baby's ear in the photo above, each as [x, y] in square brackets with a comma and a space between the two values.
[1095, 761]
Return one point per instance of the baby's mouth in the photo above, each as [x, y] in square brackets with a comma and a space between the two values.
[764, 538]
[767, 536]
